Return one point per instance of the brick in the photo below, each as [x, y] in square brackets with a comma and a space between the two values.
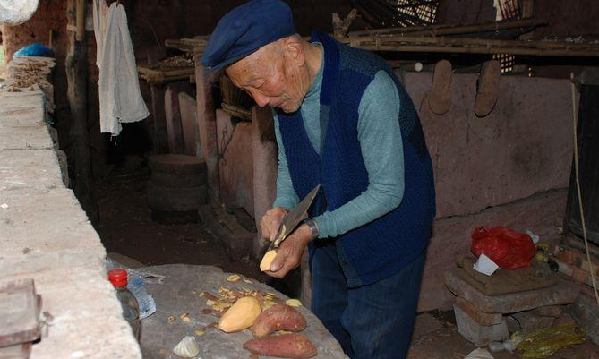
[480, 335]
[481, 318]
[549, 311]
[585, 313]
[531, 321]
[562, 293]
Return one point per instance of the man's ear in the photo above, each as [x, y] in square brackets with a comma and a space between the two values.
[294, 50]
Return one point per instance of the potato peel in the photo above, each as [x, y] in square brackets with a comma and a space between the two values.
[233, 278]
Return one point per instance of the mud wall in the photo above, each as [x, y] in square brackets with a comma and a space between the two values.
[151, 22]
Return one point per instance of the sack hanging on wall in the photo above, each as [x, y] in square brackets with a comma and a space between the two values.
[15, 12]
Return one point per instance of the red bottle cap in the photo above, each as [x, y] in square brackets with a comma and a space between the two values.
[118, 277]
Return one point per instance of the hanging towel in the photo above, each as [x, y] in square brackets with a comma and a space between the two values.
[118, 86]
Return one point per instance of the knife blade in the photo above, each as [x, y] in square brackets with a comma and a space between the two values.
[293, 218]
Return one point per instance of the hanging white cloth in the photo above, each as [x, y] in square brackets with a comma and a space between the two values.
[118, 85]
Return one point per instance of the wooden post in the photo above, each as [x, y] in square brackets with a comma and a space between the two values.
[527, 8]
[76, 71]
[207, 127]
[160, 133]
[80, 19]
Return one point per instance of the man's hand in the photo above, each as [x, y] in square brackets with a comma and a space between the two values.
[271, 221]
[289, 254]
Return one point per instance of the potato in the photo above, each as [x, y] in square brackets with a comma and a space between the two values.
[267, 260]
[284, 346]
[241, 315]
[278, 317]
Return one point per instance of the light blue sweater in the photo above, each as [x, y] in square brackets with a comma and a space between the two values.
[379, 135]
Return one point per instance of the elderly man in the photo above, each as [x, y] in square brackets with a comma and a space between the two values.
[342, 120]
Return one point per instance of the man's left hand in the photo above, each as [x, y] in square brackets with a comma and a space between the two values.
[289, 254]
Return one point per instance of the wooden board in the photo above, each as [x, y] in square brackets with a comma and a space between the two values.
[19, 312]
[505, 281]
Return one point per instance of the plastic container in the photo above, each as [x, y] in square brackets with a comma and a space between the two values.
[118, 278]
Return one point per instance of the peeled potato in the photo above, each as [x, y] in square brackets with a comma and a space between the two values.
[267, 260]
[241, 315]
[293, 303]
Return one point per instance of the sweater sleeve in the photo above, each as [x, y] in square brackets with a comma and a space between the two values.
[286, 196]
[382, 149]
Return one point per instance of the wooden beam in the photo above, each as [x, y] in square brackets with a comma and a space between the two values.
[76, 66]
[237, 111]
[483, 50]
[474, 46]
[80, 19]
[454, 29]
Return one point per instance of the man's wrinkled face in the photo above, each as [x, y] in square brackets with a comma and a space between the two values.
[272, 77]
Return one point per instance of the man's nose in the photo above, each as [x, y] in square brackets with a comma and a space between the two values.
[261, 100]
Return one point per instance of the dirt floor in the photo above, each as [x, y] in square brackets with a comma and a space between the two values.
[436, 337]
[125, 227]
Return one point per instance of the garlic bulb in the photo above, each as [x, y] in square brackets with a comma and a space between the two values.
[187, 348]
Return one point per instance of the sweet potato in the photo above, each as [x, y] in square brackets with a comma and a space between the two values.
[278, 317]
[241, 315]
[284, 346]
[267, 260]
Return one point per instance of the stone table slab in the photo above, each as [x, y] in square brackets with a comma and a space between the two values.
[563, 292]
[34, 137]
[21, 116]
[29, 169]
[176, 289]
[46, 236]
[45, 229]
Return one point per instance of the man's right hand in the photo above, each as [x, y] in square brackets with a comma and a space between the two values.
[271, 221]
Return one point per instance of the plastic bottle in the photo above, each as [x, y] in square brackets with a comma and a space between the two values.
[118, 278]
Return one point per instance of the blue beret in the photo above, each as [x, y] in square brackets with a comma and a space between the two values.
[245, 29]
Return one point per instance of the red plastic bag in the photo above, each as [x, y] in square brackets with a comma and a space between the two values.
[504, 246]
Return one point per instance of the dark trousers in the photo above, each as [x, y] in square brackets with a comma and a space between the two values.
[373, 321]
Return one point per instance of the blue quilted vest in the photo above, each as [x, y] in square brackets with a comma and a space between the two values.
[387, 244]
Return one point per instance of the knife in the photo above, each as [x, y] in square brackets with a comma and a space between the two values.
[293, 218]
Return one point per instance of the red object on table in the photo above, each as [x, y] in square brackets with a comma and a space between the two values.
[504, 246]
